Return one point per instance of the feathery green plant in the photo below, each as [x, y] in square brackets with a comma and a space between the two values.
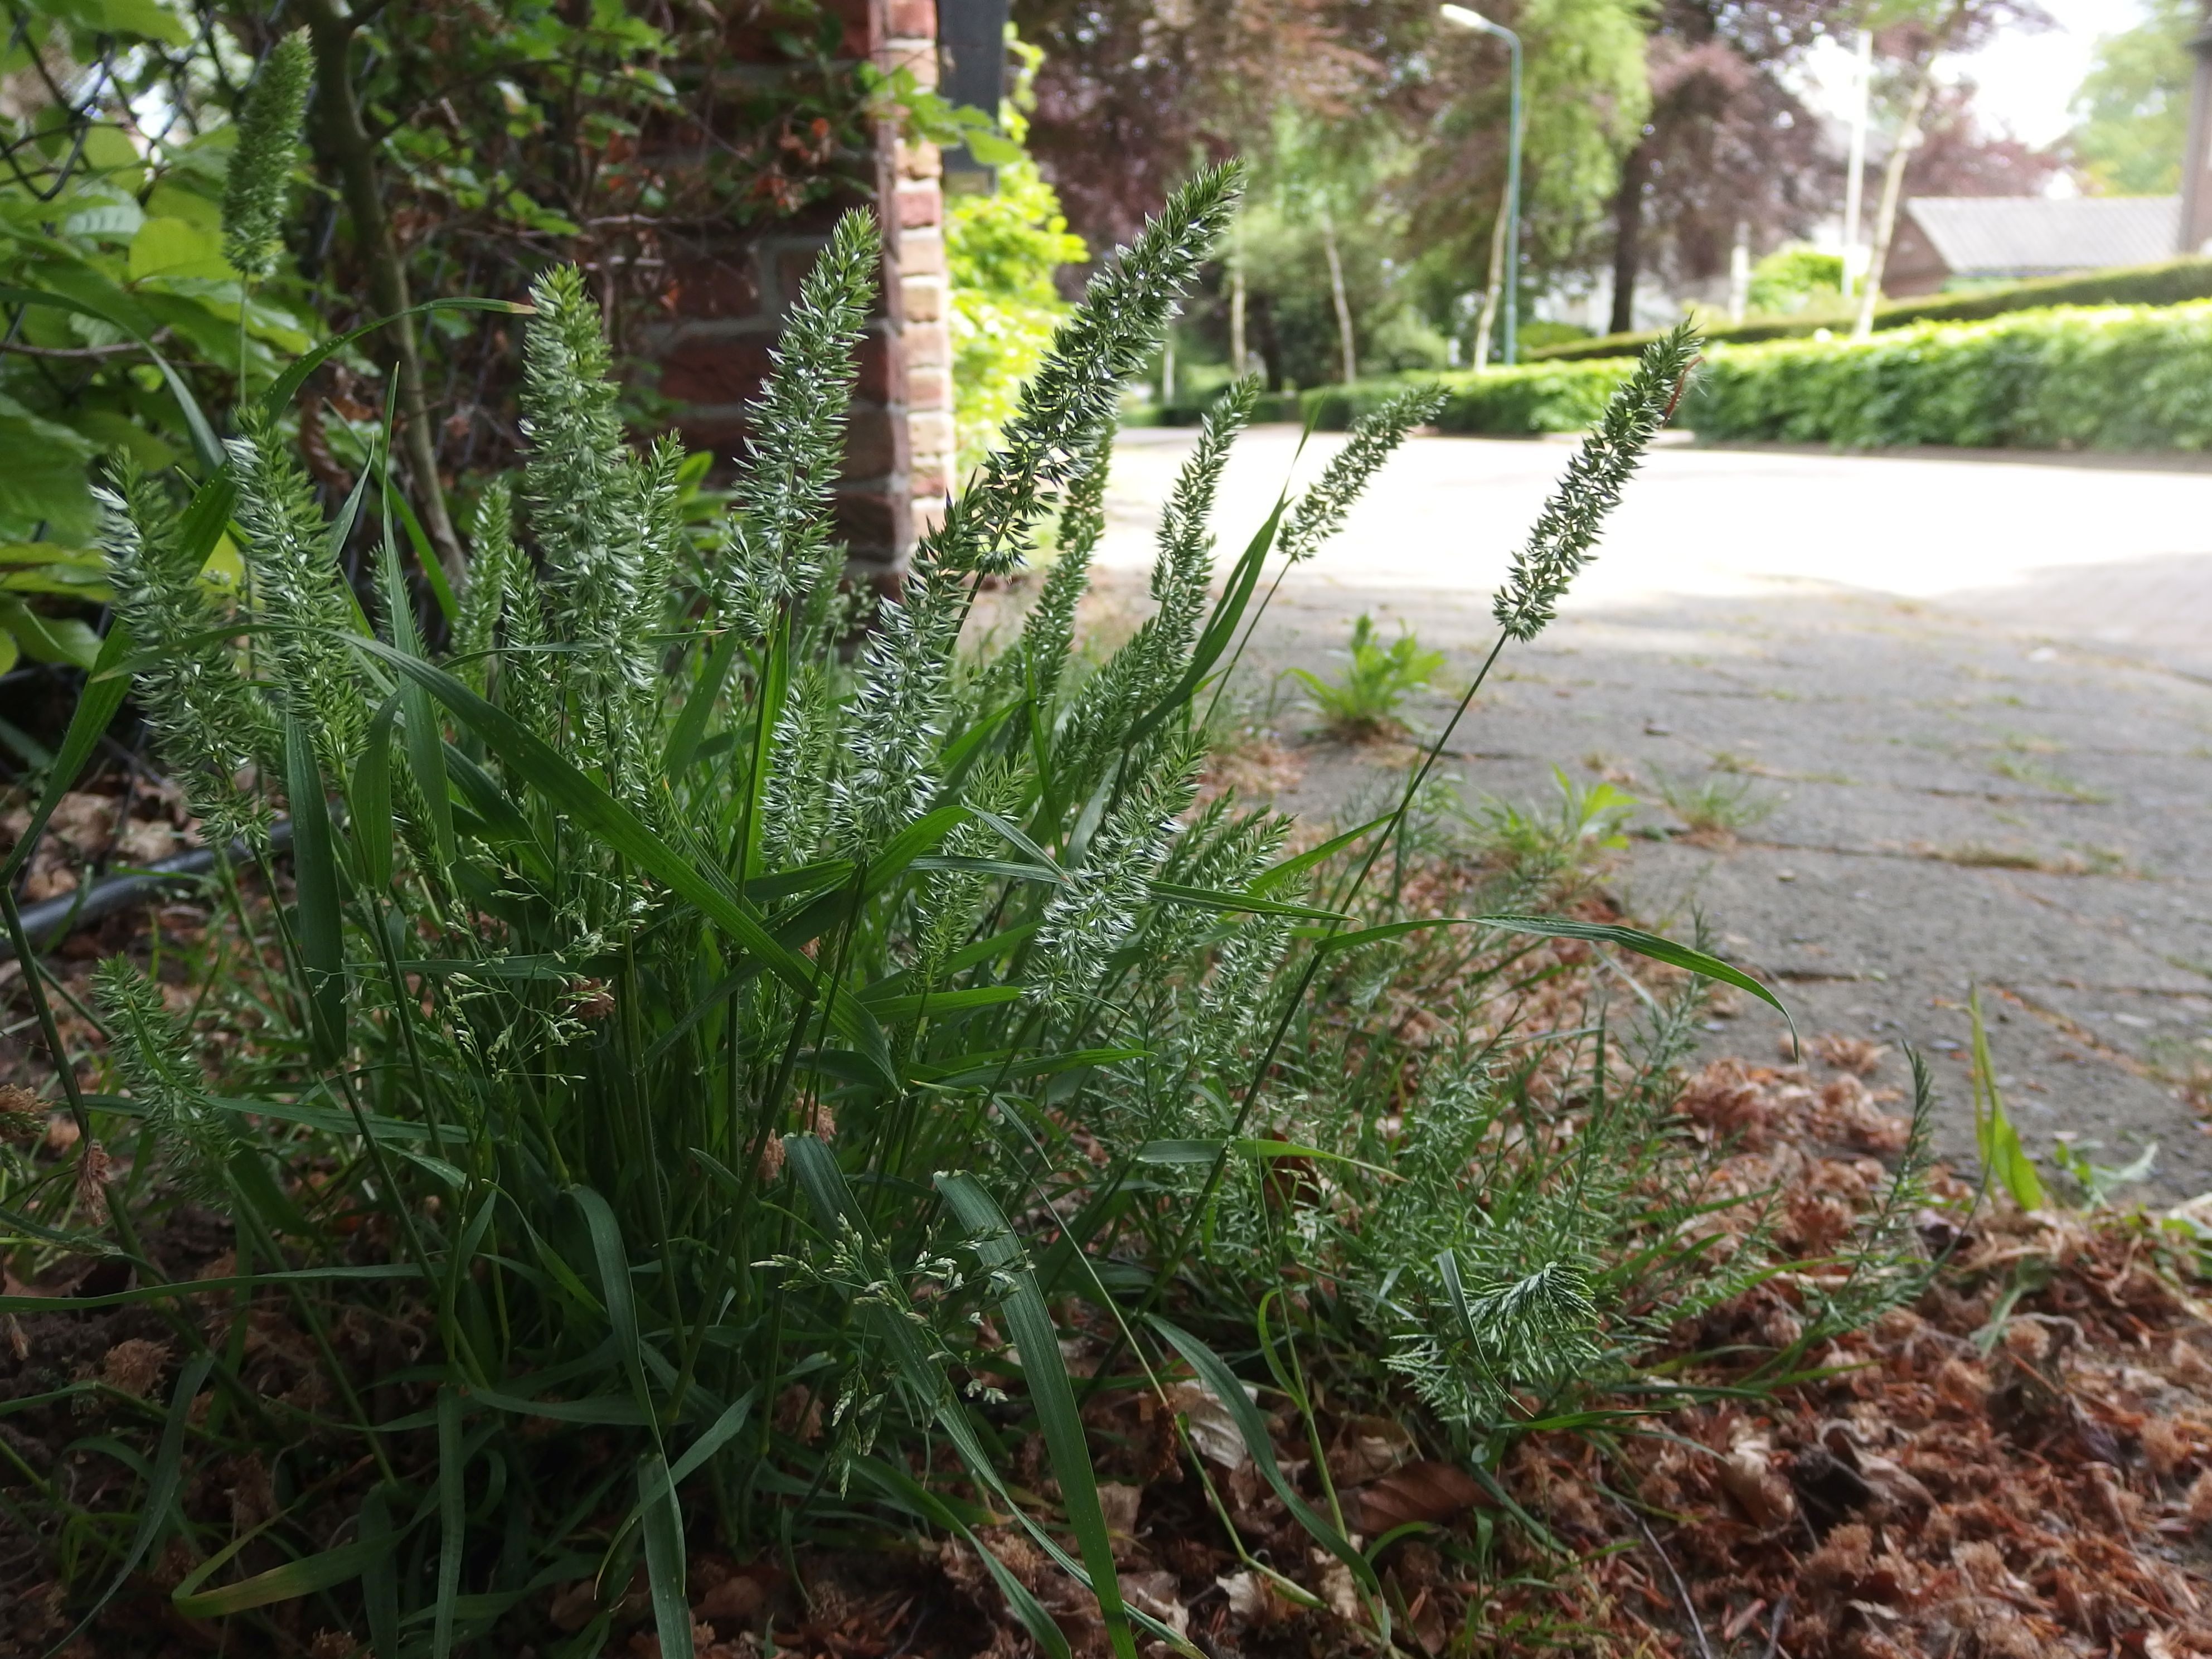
[668, 1013]
[260, 171]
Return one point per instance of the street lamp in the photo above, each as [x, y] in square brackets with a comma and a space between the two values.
[1464, 17]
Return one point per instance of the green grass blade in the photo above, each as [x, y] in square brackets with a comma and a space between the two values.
[1645, 945]
[1214, 898]
[896, 1484]
[1029, 1322]
[453, 1519]
[1994, 1138]
[380, 1579]
[613, 1263]
[369, 803]
[314, 871]
[699, 708]
[1223, 1384]
[664, 1556]
[616, 827]
[160, 1489]
[285, 1584]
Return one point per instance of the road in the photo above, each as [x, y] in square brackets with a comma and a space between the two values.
[1976, 692]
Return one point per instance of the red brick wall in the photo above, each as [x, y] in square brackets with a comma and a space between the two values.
[732, 288]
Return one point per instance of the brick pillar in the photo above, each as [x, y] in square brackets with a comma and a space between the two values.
[925, 335]
[730, 287]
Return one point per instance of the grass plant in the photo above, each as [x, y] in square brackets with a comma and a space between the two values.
[1363, 704]
[686, 1082]
[1718, 805]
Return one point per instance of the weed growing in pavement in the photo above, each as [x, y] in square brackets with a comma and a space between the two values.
[702, 1083]
[1715, 806]
[2042, 776]
[1363, 704]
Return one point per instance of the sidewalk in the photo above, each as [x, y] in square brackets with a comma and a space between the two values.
[1971, 690]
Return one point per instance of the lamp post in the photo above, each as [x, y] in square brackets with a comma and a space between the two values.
[1463, 17]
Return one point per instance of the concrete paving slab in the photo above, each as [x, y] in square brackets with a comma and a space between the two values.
[1978, 691]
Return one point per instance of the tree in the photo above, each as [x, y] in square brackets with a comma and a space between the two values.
[1918, 33]
[1957, 157]
[1728, 146]
[2131, 111]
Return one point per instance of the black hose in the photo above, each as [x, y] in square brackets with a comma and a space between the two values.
[65, 913]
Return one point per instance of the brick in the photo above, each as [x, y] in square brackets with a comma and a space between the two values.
[930, 431]
[914, 18]
[921, 160]
[716, 371]
[882, 368]
[924, 298]
[931, 476]
[874, 522]
[917, 57]
[927, 346]
[876, 443]
[921, 252]
[927, 516]
[928, 385]
[920, 202]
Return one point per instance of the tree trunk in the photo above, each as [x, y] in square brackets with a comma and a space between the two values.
[1627, 241]
[1336, 292]
[1497, 287]
[1236, 354]
[345, 142]
[1271, 349]
[1892, 174]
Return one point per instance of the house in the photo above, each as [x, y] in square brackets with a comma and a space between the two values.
[1951, 241]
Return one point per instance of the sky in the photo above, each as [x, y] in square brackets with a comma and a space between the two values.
[2026, 77]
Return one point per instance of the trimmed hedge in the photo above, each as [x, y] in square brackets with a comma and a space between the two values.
[2170, 281]
[2122, 378]
[1503, 403]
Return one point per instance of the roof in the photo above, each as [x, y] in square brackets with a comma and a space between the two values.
[2039, 235]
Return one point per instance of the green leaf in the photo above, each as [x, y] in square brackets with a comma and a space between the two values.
[1223, 1384]
[453, 1519]
[172, 248]
[369, 805]
[664, 1556]
[285, 1584]
[936, 1004]
[1994, 1138]
[314, 868]
[160, 1486]
[1029, 1323]
[49, 639]
[1217, 899]
[1645, 945]
[212, 454]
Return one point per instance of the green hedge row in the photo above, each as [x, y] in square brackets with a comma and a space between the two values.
[1503, 403]
[2119, 378]
[2123, 378]
[2170, 281]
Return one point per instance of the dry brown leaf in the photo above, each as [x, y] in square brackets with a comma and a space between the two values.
[1426, 1491]
[134, 1366]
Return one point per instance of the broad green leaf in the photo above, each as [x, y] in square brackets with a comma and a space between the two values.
[171, 248]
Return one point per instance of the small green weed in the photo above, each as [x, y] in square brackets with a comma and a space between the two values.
[2039, 775]
[1536, 849]
[1364, 705]
[1715, 806]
